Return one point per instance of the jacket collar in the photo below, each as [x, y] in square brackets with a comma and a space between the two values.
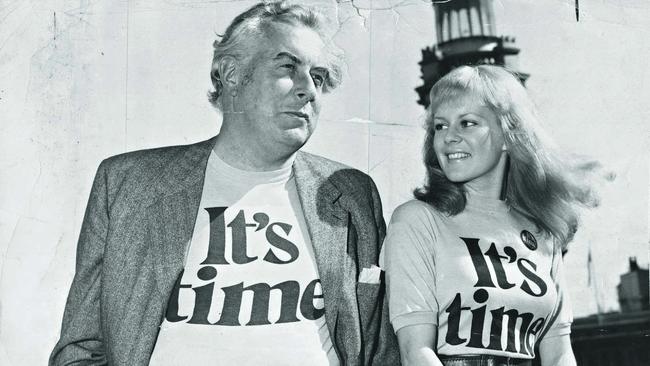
[327, 223]
[172, 217]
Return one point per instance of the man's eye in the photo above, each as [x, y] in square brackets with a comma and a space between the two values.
[288, 66]
[467, 123]
[319, 80]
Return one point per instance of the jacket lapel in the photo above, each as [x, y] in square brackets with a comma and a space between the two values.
[327, 223]
[172, 217]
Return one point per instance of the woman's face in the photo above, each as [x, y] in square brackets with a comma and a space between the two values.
[468, 142]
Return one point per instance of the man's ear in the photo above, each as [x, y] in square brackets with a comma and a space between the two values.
[228, 71]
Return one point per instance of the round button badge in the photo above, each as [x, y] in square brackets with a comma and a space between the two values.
[529, 240]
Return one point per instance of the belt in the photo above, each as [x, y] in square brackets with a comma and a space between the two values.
[483, 360]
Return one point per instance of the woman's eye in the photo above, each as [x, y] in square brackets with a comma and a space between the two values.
[467, 123]
[439, 126]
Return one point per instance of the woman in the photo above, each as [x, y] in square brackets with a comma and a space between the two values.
[474, 265]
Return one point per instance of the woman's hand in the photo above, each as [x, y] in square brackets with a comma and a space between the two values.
[417, 343]
[556, 351]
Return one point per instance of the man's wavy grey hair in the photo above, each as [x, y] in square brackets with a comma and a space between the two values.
[252, 24]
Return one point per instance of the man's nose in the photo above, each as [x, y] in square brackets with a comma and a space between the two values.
[305, 88]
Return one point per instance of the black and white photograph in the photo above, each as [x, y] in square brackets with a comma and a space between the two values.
[325, 182]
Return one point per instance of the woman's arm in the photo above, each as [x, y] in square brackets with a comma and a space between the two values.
[416, 344]
[408, 259]
[555, 346]
[556, 351]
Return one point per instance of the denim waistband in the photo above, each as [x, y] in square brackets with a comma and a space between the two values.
[483, 360]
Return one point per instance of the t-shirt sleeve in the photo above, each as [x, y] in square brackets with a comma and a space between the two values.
[562, 317]
[408, 260]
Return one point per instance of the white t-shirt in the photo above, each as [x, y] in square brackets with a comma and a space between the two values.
[487, 279]
[250, 293]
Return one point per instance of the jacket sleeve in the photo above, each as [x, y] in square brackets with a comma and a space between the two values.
[387, 351]
[81, 339]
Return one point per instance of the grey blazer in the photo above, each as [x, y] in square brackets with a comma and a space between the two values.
[139, 219]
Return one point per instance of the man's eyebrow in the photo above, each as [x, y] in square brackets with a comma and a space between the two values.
[287, 55]
[297, 61]
[322, 69]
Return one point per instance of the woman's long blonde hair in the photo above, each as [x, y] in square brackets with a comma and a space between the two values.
[542, 184]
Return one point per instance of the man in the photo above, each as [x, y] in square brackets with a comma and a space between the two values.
[240, 249]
